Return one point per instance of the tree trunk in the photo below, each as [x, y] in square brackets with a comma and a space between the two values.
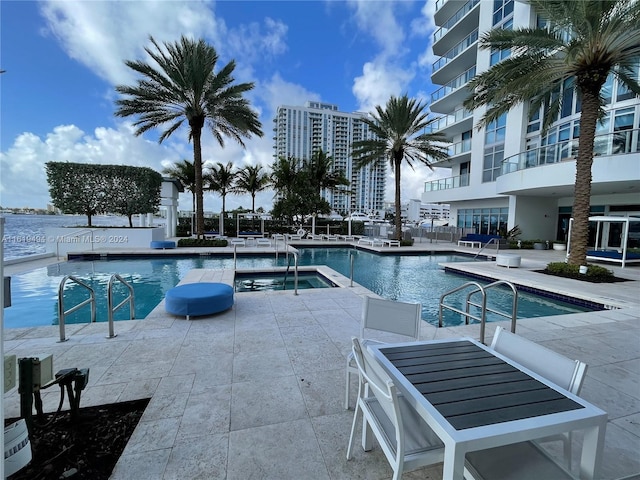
[397, 164]
[253, 203]
[196, 131]
[130, 220]
[88, 219]
[223, 213]
[582, 191]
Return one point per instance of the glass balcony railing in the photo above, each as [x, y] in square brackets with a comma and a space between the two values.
[455, 18]
[442, 122]
[454, 84]
[439, 4]
[455, 51]
[447, 183]
[627, 141]
[459, 148]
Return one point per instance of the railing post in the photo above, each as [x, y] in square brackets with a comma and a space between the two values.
[351, 270]
[295, 273]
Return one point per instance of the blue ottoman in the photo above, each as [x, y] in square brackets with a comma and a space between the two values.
[162, 244]
[194, 299]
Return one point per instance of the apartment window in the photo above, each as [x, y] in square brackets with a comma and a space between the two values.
[496, 129]
[492, 167]
[499, 55]
[501, 10]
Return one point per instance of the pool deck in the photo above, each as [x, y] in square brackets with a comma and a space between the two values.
[257, 391]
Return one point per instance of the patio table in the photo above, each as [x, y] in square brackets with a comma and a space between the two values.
[475, 398]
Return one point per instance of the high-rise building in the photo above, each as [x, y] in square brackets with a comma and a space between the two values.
[299, 132]
[509, 173]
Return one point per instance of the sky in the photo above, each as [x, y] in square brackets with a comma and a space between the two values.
[63, 60]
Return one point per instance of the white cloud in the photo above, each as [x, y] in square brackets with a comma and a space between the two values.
[26, 158]
[378, 20]
[425, 26]
[379, 80]
[101, 35]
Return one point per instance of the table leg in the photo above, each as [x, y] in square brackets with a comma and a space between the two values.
[592, 446]
[453, 468]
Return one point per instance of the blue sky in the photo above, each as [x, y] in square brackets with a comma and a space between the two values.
[63, 60]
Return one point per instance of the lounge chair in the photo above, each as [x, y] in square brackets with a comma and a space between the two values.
[374, 242]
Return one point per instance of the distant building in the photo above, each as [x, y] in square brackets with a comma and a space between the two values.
[508, 173]
[301, 131]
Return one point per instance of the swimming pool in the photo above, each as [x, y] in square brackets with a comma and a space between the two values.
[397, 277]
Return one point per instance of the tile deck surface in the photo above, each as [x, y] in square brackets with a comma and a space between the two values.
[256, 392]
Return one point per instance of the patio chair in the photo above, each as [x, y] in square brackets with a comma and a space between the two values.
[528, 459]
[385, 317]
[240, 242]
[406, 440]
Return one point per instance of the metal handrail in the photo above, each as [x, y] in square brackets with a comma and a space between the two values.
[514, 306]
[491, 240]
[62, 313]
[112, 309]
[483, 305]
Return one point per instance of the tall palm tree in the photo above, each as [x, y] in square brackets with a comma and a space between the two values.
[323, 174]
[584, 42]
[251, 180]
[182, 86]
[283, 175]
[221, 179]
[396, 129]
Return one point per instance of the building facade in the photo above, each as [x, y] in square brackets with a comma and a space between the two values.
[509, 173]
[299, 132]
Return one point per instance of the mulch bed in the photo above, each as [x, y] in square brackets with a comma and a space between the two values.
[586, 278]
[86, 448]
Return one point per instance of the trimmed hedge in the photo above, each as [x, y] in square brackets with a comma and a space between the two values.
[594, 273]
[201, 242]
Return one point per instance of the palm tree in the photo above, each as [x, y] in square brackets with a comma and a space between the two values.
[221, 179]
[322, 174]
[251, 180]
[396, 130]
[183, 87]
[583, 43]
[185, 172]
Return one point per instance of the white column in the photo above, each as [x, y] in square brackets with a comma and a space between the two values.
[149, 219]
[169, 225]
[142, 220]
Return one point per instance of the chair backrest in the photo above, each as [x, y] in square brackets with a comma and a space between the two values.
[379, 382]
[390, 316]
[563, 371]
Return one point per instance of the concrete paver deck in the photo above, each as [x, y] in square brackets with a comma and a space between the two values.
[257, 391]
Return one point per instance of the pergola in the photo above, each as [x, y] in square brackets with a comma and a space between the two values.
[602, 251]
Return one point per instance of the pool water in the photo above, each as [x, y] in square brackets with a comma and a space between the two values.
[414, 278]
[257, 282]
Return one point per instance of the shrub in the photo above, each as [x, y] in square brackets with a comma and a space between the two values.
[201, 242]
[406, 243]
[595, 273]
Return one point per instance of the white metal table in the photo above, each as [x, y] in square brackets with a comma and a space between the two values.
[475, 398]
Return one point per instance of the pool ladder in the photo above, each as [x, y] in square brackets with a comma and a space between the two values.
[477, 288]
[62, 313]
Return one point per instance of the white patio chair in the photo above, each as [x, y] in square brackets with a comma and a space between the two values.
[240, 242]
[384, 316]
[527, 460]
[406, 440]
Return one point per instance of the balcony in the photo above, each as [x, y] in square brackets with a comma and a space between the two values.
[459, 121]
[447, 183]
[461, 22]
[448, 96]
[627, 141]
[455, 51]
